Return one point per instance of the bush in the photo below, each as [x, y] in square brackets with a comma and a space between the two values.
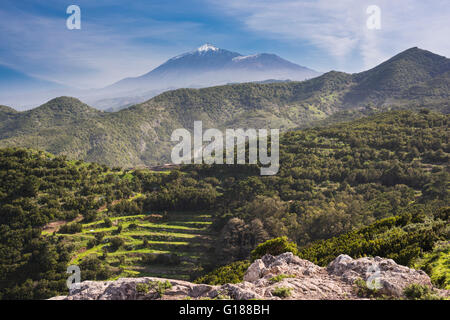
[282, 292]
[274, 247]
[159, 286]
[91, 243]
[107, 223]
[363, 291]
[99, 237]
[71, 228]
[280, 277]
[169, 259]
[133, 226]
[93, 269]
[232, 273]
[116, 243]
[142, 288]
[162, 286]
[420, 292]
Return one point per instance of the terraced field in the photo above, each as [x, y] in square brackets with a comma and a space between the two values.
[174, 245]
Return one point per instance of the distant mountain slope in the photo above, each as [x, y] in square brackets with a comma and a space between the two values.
[204, 67]
[140, 135]
[407, 70]
[6, 109]
[6, 113]
[209, 65]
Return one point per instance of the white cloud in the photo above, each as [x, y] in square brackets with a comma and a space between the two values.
[339, 27]
[97, 55]
[104, 51]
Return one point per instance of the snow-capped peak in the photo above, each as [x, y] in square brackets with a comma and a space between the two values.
[200, 50]
[207, 47]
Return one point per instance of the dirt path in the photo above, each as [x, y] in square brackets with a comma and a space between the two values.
[55, 225]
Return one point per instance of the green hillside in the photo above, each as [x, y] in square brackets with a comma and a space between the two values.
[388, 171]
[140, 135]
[398, 77]
[180, 240]
[414, 238]
[6, 109]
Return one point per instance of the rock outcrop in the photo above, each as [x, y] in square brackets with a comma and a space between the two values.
[285, 276]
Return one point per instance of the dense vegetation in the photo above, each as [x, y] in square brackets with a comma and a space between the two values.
[414, 239]
[374, 186]
[37, 188]
[336, 179]
[402, 238]
[140, 135]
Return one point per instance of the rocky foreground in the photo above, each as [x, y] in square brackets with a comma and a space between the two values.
[282, 277]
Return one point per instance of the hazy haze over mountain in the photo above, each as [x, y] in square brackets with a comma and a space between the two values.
[140, 135]
[206, 66]
[209, 65]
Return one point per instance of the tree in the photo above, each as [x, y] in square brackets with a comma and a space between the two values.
[273, 247]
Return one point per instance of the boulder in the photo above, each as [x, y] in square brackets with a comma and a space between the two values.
[267, 277]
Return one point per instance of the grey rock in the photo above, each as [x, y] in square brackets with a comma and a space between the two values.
[255, 271]
[305, 280]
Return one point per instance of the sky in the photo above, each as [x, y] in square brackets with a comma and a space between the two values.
[121, 38]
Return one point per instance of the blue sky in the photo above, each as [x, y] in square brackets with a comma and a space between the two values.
[128, 38]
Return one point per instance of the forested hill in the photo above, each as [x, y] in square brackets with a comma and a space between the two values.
[7, 109]
[140, 135]
[332, 180]
[405, 76]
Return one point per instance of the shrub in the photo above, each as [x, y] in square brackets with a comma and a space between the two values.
[133, 226]
[274, 247]
[121, 260]
[160, 286]
[161, 258]
[94, 269]
[280, 277]
[282, 292]
[90, 216]
[232, 273]
[142, 288]
[362, 290]
[420, 292]
[116, 243]
[107, 223]
[91, 243]
[99, 236]
[71, 228]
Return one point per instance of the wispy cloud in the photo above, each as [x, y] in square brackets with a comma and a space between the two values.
[98, 54]
[339, 27]
[121, 38]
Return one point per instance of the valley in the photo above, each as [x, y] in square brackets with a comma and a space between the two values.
[377, 185]
[305, 155]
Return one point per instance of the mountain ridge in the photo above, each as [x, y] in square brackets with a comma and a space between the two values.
[191, 69]
[140, 134]
[410, 67]
[6, 109]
